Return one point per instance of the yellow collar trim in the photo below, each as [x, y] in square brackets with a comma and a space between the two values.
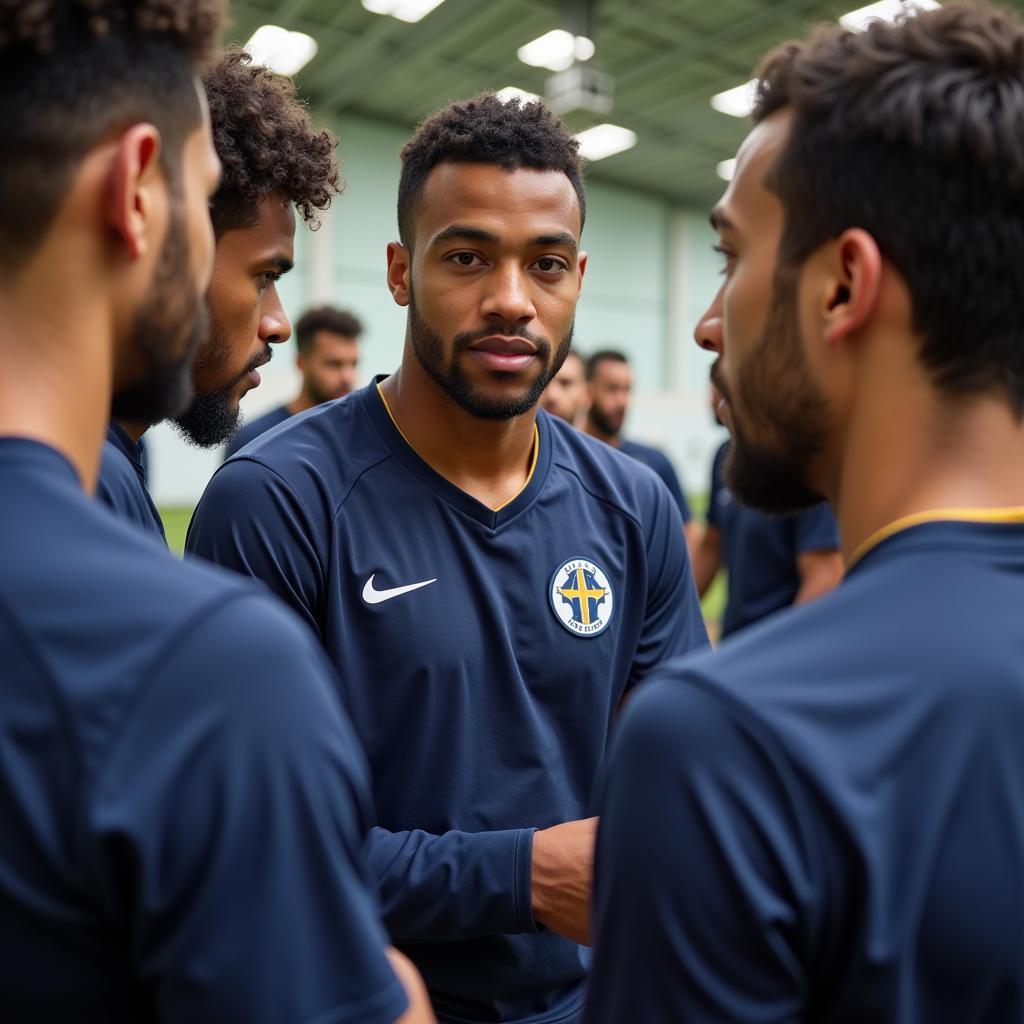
[1012, 514]
[533, 460]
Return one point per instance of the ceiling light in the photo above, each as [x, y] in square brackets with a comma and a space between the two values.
[885, 10]
[736, 102]
[403, 10]
[726, 169]
[605, 140]
[280, 50]
[556, 50]
[511, 92]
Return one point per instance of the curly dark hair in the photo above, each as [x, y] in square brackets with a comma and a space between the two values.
[488, 131]
[914, 131]
[72, 72]
[266, 143]
[325, 318]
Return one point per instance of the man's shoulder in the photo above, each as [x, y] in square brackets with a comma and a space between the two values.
[603, 471]
[117, 474]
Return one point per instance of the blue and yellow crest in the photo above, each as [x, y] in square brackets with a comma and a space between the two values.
[581, 597]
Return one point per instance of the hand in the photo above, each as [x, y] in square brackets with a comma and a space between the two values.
[563, 873]
[419, 1011]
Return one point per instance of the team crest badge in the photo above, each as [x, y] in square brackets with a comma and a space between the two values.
[581, 597]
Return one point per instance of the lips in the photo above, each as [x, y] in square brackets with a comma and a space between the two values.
[502, 354]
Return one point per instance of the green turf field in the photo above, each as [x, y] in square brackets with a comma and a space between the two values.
[176, 524]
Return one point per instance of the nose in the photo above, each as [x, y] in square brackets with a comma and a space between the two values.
[507, 298]
[708, 332]
[275, 326]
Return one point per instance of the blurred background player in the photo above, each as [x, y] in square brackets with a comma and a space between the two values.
[184, 803]
[824, 820]
[327, 340]
[396, 523]
[566, 394]
[771, 561]
[274, 163]
[609, 387]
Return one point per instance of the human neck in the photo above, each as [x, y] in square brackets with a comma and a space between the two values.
[56, 384]
[908, 451]
[301, 403]
[133, 429]
[488, 459]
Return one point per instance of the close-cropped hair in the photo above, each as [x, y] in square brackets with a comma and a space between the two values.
[604, 355]
[486, 130]
[914, 131]
[325, 318]
[266, 142]
[73, 73]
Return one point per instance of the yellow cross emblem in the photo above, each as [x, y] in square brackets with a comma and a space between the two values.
[583, 594]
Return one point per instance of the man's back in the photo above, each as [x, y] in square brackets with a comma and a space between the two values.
[847, 811]
[183, 800]
[122, 482]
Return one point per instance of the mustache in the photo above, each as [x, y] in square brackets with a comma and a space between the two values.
[258, 360]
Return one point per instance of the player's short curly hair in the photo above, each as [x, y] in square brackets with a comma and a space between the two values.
[325, 318]
[74, 72]
[266, 143]
[486, 130]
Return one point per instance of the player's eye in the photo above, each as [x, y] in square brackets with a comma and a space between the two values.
[551, 265]
[727, 258]
[267, 278]
[465, 259]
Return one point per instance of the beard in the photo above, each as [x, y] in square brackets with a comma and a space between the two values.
[166, 333]
[212, 418]
[606, 424]
[782, 406]
[449, 376]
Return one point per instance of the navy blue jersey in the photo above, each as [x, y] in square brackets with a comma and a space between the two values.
[760, 551]
[182, 800]
[658, 461]
[825, 820]
[482, 656]
[258, 426]
[122, 482]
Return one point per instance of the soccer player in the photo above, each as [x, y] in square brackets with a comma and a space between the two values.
[609, 385]
[183, 801]
[825, 819]
[565, 395]
[489, 581]
[327, 340]
[772, 562]
[274, 163]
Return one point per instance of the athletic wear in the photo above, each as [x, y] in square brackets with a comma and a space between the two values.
[760, 551]
[122, 482]
[825, 819]
[248, 431]
[182, 801]
[658, 461]
[482, 654]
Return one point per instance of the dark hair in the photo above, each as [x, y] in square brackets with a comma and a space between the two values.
[325, 318]
[266, 143]
[486, 130]
[914, 131]
[72, 73]
[604, 355]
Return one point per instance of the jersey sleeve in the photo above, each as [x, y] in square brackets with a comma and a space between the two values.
[457, 885]
[226, 830]
[816, 530]
[250, 520]
[701, 870]
[672, 623]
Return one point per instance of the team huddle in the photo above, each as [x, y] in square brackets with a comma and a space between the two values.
[426, 725]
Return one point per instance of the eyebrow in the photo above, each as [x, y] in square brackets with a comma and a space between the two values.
[719, 220]
[479, 235]
[279, 262]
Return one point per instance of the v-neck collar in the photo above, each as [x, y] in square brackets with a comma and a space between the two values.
[493, 519]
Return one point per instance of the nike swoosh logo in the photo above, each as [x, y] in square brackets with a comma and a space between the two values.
[372, 596]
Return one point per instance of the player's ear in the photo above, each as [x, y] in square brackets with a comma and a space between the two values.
[851, 284]
[137, 184]
[581, 269]
[399, 260]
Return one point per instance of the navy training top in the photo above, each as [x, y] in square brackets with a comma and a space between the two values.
[658, 461]
[250, 430]
[760, 551]
[183, 800]
[825, 820]
[122, 482]
[483, 655]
